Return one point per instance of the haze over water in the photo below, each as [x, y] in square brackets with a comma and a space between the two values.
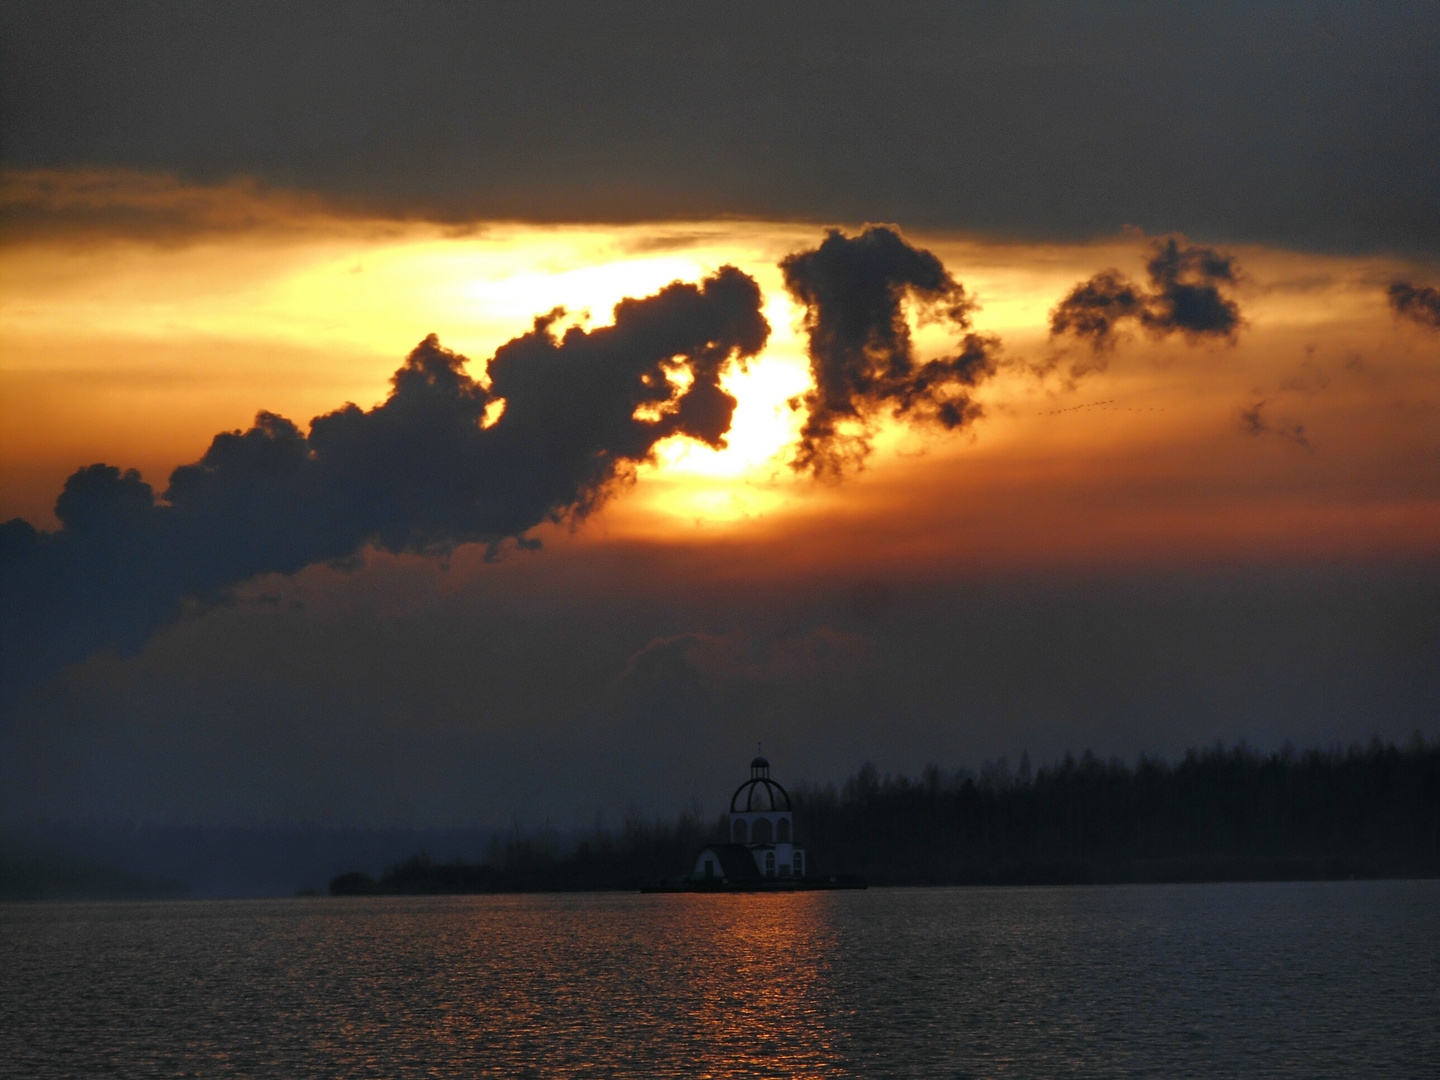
[1331, 979]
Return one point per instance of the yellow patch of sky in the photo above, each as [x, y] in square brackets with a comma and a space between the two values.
[132, 338]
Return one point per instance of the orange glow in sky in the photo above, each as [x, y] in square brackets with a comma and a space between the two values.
[136, 350]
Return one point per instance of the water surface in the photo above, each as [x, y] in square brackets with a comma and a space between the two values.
[1314, 979]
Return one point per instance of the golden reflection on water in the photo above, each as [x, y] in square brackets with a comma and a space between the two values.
[691, 985]
[763, 1004]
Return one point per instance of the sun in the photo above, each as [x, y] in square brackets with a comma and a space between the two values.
[764, 424]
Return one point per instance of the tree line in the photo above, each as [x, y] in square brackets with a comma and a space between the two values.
[1219, 814]
[544, 861]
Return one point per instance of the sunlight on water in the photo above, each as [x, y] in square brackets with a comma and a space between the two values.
[1228, 980]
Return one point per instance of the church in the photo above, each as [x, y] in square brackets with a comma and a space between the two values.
[762, 836]
[759, 853]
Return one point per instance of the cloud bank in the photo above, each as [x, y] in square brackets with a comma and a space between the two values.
[1310, 125]
[862, 358]
[429, 468]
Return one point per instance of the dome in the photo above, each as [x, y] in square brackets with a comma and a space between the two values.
[759, 793]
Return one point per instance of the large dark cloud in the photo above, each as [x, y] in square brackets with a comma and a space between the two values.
[423, 471]
[619, 673]
[1309, 124]
[1418, 303]
[862, 359]
[1188, 294]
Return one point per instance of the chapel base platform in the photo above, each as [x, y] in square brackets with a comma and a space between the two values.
[765, 885]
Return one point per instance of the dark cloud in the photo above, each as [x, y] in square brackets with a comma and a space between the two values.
[1418, 303]
[1096, 309]
[421, 472]
[1253, 421]
[1187, 295]
[1308, 380]
[1186, 283]
[862, 359]
[1303, 124]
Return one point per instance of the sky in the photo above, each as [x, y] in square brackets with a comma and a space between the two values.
[533, 408]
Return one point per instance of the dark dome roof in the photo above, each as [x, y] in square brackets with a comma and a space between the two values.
[759, 793]
[759, 763]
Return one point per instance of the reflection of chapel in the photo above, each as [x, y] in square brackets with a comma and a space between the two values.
[761, 834]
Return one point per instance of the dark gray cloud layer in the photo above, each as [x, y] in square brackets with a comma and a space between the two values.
[1187, 295]
[862, 360]
[419, 472]
[610, 675]
[1312, 124]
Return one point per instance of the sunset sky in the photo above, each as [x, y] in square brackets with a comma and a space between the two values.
[1212, 523]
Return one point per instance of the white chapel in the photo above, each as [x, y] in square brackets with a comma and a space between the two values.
[762, 835]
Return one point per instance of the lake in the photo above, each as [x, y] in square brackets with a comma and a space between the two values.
[1303, 979]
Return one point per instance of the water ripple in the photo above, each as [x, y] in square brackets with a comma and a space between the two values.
[1264, 980]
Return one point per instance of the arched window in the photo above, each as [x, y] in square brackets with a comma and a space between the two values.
[739, 830]
[760, 832]
[782, 831]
